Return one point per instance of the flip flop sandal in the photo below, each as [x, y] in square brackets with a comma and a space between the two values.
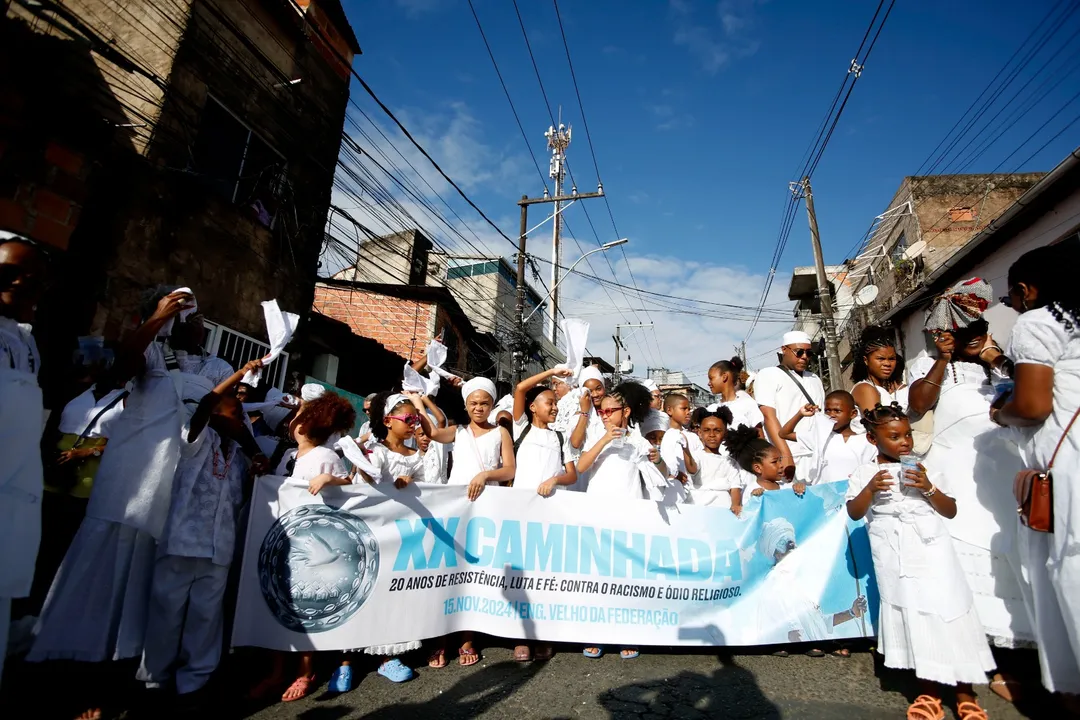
[629, 654]
[522, 653]
[301, 685]
[543, 652]
[395, 671]
[841, 652]
[815, 652]
[925, 708]
[781, 653]
[592, 652]
[1004, 689]
[467, 657]
[437, 659]
[971, 711]
[341, 680]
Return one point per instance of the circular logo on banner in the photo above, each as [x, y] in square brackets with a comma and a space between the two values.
[317, 566]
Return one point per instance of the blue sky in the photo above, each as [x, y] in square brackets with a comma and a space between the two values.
[700, 113]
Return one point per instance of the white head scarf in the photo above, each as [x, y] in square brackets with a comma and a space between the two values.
[590, 373]
[312, 391]
[569, 380]
[650, 385]
[654, 421]
[393, 401]
[774, 538]
[478, 383]
[506, 403]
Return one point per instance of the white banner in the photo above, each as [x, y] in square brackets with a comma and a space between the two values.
[372, 565]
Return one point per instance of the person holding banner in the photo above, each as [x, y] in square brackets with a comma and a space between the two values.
[719, 482]
[483, 455]
[589, 427]
[837, 450]
[928, 622]
[675, 448]
[760, 459]
[622, 461]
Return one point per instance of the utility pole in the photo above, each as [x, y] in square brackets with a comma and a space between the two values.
[558, 140]
[828, 324]
[617, 337]
[521, 336]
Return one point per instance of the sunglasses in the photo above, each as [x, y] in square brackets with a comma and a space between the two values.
[1005, 300]
[410, 420]
[610, 411]
[799, 352]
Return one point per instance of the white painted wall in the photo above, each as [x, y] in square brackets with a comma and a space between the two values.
[1052, 226]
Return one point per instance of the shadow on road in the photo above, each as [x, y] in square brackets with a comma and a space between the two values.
[731, 691]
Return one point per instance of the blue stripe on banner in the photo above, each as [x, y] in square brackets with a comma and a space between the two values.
[372, 565]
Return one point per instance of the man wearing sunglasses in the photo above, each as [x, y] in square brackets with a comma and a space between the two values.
[781, 392]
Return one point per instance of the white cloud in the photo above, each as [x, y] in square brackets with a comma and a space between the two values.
[712, 46]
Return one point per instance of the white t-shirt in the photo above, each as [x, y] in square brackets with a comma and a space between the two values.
[538, 456]
[314, 462]
[834, 459]
[78, 413]
[744, 410]
[775, 388]
[716, 477]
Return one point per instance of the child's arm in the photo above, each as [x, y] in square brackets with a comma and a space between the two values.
[501, 475]
[317, 483]
[438, 434]
[860, 504]
[688, 459]
[588, 458]
[209, 402]
[945, 505]
[736, 500]
[440, 417]
[567, 477]
[788, 431]
[577, 435]
[525, 386]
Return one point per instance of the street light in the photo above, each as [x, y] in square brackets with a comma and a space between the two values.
[602, 248]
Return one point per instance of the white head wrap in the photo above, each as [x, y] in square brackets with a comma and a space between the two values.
[650, 385]
[506, 403]
[654, 421]
[590, 373]
[569, 380]
[478, 383]
[393, 401]
[312, 391]
[774, 538]
[796, 337]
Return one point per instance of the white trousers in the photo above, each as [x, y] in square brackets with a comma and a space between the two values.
[1049, 605]
[184, 622]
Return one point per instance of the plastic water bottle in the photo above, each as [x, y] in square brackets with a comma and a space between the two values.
[1003, 387]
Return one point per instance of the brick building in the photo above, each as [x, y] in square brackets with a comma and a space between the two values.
[187, 143]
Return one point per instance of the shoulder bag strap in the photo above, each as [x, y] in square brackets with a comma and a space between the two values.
[1062, 440]
[521, 438]
[562, 459]
[97, 416]
[796, 381]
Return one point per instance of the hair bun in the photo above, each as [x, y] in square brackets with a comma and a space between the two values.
[736, 364]
[738, 439]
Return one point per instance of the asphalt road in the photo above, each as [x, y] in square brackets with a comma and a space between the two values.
[679, 685]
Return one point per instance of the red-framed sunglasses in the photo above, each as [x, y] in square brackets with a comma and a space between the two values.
[610, 411]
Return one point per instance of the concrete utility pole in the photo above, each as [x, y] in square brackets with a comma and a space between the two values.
[520, 341]
[617, 337]
[828, 323]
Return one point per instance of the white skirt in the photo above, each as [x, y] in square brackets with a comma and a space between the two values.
[392, 650]
[96, 608]
[944, 652]
[999, 599]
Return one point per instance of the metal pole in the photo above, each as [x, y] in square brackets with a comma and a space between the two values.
[518, 355]
[615, 375]
[828, 326]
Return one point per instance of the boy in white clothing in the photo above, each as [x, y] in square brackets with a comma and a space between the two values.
[836, 449]
[675, 447]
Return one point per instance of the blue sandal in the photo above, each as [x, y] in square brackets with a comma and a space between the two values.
[395, 671]
[629, 654]
[594, 653]
[341, 680]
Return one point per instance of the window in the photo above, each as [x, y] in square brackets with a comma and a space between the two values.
[237, 163]
[961, 214]
[898, 250]
[238, 348]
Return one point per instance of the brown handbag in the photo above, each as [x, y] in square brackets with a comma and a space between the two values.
[1034, 491]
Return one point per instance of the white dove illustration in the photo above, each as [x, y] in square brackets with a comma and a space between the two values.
[315, 552]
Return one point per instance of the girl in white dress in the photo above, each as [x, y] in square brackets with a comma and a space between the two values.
[927, 621]
[435, 454]
[724, 382]
[1045, 347]
[719, 481]
[622, 462]
[394, 421]
[588, 427]
[315, 462]
[878, 372]
[760, 459]
[483, 455]
[544, 460]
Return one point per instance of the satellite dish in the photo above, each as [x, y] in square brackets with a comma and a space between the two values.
[866, 295]
[915, 250]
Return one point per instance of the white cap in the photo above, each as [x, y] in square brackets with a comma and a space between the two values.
[796, 337]
[311, 391]
[650, 385]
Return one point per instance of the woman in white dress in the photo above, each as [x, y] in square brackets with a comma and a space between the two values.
[878, 371]
[483, 455]
[977, 458]
[1045, 347]
[623, 463]
[928, 621]
[724, 381]
[23, 267]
